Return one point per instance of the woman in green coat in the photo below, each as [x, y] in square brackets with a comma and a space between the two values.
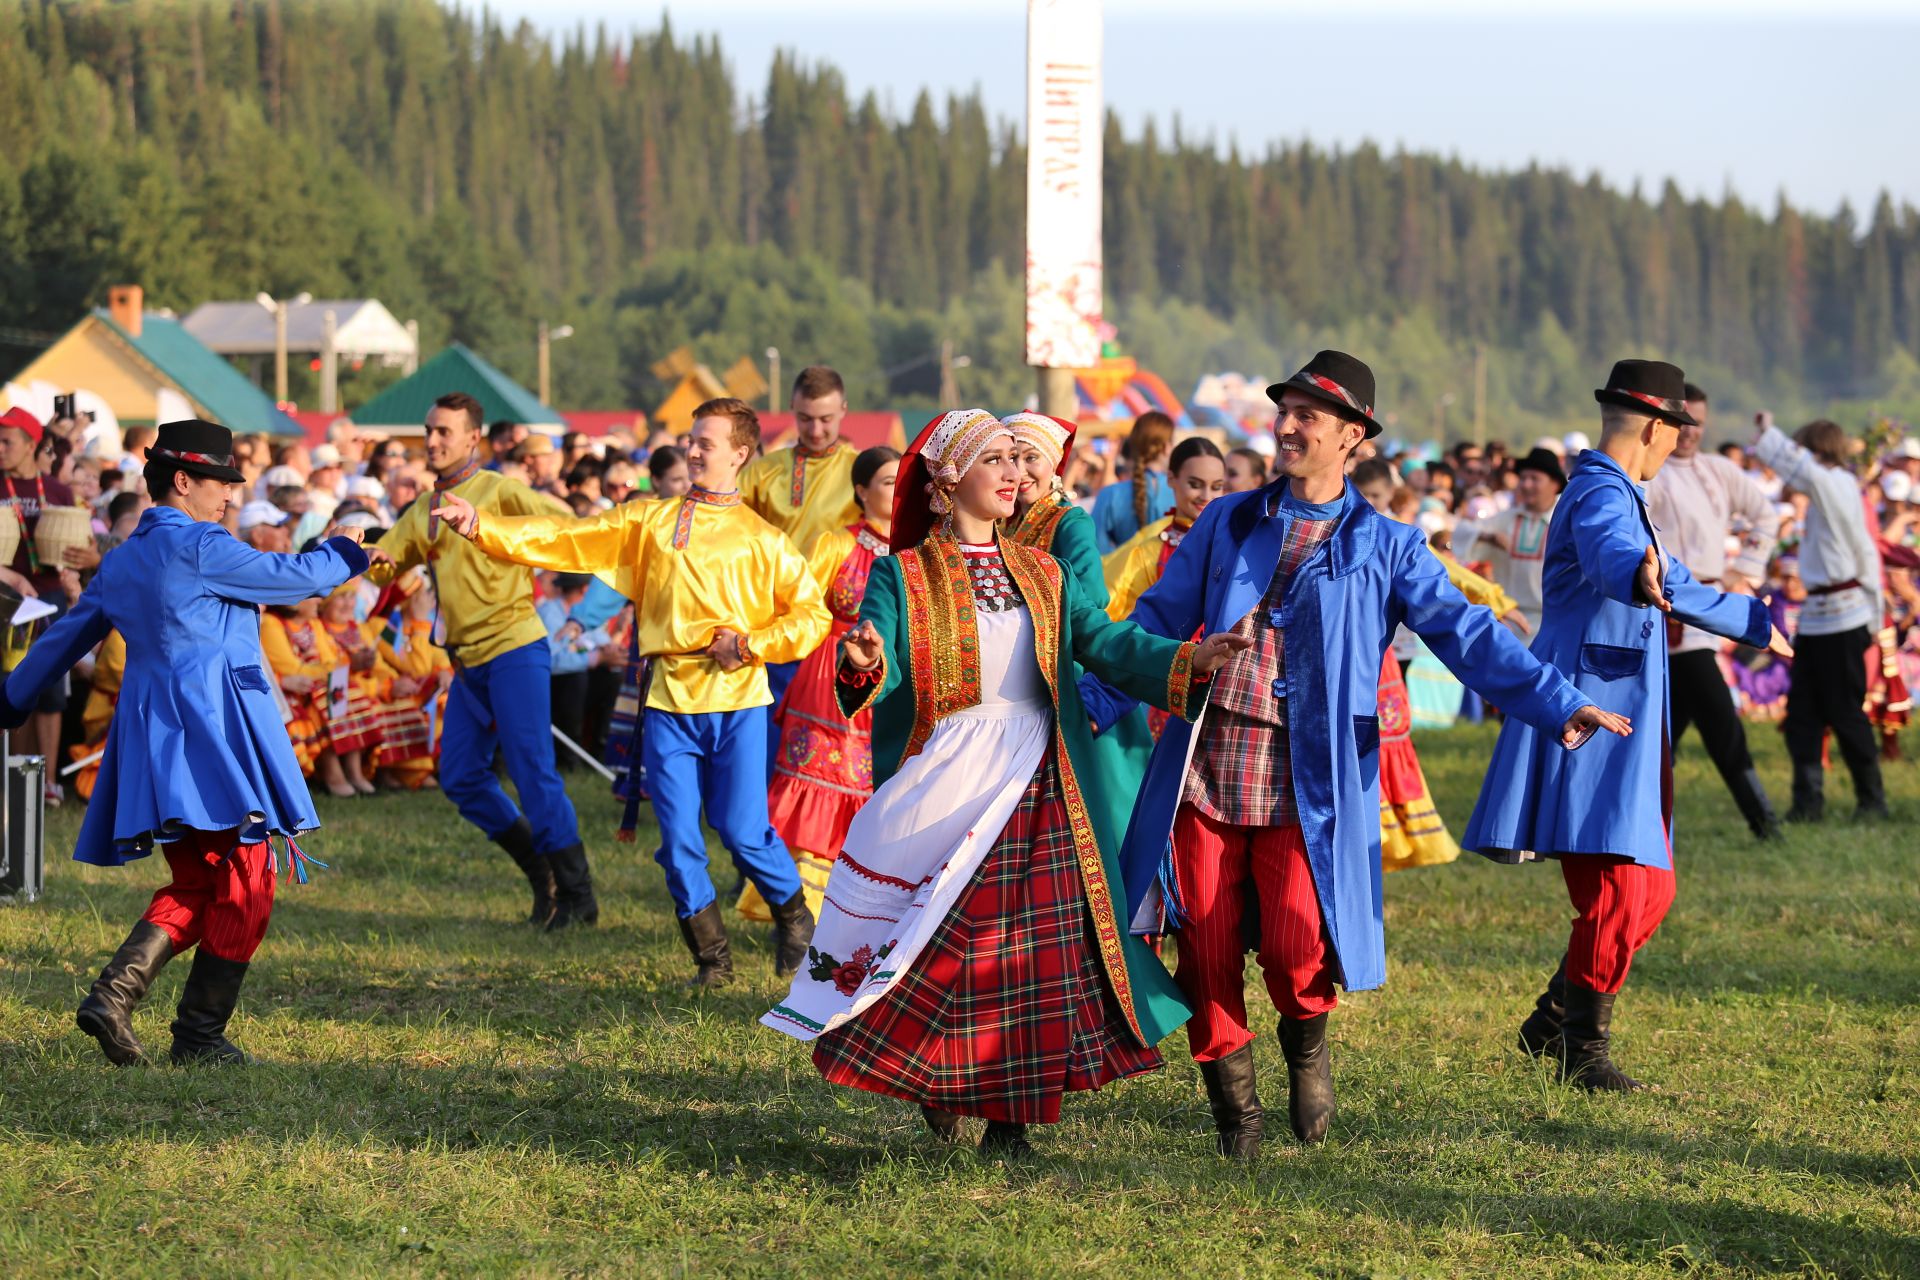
[972, 954]
[1046, 519]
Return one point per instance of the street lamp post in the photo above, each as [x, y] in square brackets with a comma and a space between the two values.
[545, 344]
[278, 306]
[773, 379]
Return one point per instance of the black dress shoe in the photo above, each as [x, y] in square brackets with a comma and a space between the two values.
[1005, 1140]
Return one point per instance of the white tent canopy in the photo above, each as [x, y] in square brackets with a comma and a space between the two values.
[363, 329]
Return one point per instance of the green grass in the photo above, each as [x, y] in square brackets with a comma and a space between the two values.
[449, 1093]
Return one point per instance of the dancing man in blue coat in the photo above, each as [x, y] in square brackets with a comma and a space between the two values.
[197, 758]
[1274, 792]
[1606, 813]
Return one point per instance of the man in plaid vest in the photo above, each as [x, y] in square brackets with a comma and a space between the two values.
[1269, 804]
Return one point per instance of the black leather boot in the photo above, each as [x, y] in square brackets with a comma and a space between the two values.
[792, 931]
[107, 1012]
[1006, 1140]
[1809, 792]
[574, 902]
[1540, 1033]
[944, 1124]
[1584, 1042]
[1235, 1103]
[706, 937]
[206, 1003]
[517, 840]
[1309, 1076]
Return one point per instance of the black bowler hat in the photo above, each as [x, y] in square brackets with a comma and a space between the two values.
[1340, 380]
[1543, 461]
[203, 448]
[1652, 387]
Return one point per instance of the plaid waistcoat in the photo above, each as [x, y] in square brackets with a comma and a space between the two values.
[1241, 771]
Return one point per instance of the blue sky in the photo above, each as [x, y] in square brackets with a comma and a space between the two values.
[1755, 97]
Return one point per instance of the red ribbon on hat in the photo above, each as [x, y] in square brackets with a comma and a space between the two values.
[1663, 405]
[187, 455]
[1335, 389]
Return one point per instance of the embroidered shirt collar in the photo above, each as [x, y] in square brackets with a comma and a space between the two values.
[713, 497]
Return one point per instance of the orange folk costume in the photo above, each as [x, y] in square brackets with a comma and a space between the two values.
[297, 646]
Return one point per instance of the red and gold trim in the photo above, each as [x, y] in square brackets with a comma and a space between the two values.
[1037, 576]
[1180, 683]
[848, 677]
[1661, 403]
[1035, 529]
[1338, 392]
[696, 496]
[943, 640]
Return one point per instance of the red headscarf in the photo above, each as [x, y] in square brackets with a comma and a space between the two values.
[943, 452]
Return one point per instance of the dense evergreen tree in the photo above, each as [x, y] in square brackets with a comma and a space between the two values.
[481, 178]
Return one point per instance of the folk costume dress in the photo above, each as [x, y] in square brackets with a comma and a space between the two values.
[1057, 526]
[410, 736]
[700, 563]
[972, 955]
[823, 767]
[296, 646]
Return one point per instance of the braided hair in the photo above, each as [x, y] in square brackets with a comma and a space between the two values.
[1152, 433]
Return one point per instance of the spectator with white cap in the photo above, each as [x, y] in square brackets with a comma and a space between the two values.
[263, 527]
[329, 472]
[373, 493]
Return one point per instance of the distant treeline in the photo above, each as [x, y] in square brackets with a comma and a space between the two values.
[480, 178]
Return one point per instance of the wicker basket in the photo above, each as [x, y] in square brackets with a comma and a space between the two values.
[58, 529]
[9, 535]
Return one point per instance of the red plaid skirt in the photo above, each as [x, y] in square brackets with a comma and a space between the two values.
[1008, 1007]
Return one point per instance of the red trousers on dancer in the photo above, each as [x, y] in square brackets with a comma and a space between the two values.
[1621, 904]
[221, 895]
[1214, 861]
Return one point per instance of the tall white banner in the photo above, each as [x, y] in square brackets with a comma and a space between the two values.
[1064, 135]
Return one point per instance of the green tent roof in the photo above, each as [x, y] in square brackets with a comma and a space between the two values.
[406, 402]
[222, 390]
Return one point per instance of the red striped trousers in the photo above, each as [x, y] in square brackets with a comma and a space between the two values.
[221, 895]
[1620, 903]
[1214, 862]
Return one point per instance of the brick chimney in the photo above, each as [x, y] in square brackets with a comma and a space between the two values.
[126, 303]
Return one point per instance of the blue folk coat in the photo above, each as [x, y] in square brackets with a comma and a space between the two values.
[1611, 796]
[1339, 614]
[196, 740]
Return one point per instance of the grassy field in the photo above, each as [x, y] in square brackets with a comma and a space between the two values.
[449, 1093]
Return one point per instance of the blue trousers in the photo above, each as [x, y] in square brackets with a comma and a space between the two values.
[713, 760]
[779, 676]
[506, 704]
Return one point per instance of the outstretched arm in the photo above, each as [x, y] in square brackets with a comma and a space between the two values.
[1485, 656]
[869, 667]
[560, 543]
[65, 643]
[231, 568]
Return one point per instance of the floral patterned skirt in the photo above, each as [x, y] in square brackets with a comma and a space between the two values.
[1008, 1008]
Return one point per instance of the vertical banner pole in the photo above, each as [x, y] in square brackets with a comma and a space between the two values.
[1065, 133]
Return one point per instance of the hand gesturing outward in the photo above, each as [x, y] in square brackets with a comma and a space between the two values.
[862, 647]
[457, 512]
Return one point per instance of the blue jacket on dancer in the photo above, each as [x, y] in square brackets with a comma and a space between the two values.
[1614, 796]
[197, 740]
[1339, 614]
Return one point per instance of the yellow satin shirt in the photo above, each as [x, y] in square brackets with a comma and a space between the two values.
[695, 567]
[824, 487]
[1132, 567]
[486, 604]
